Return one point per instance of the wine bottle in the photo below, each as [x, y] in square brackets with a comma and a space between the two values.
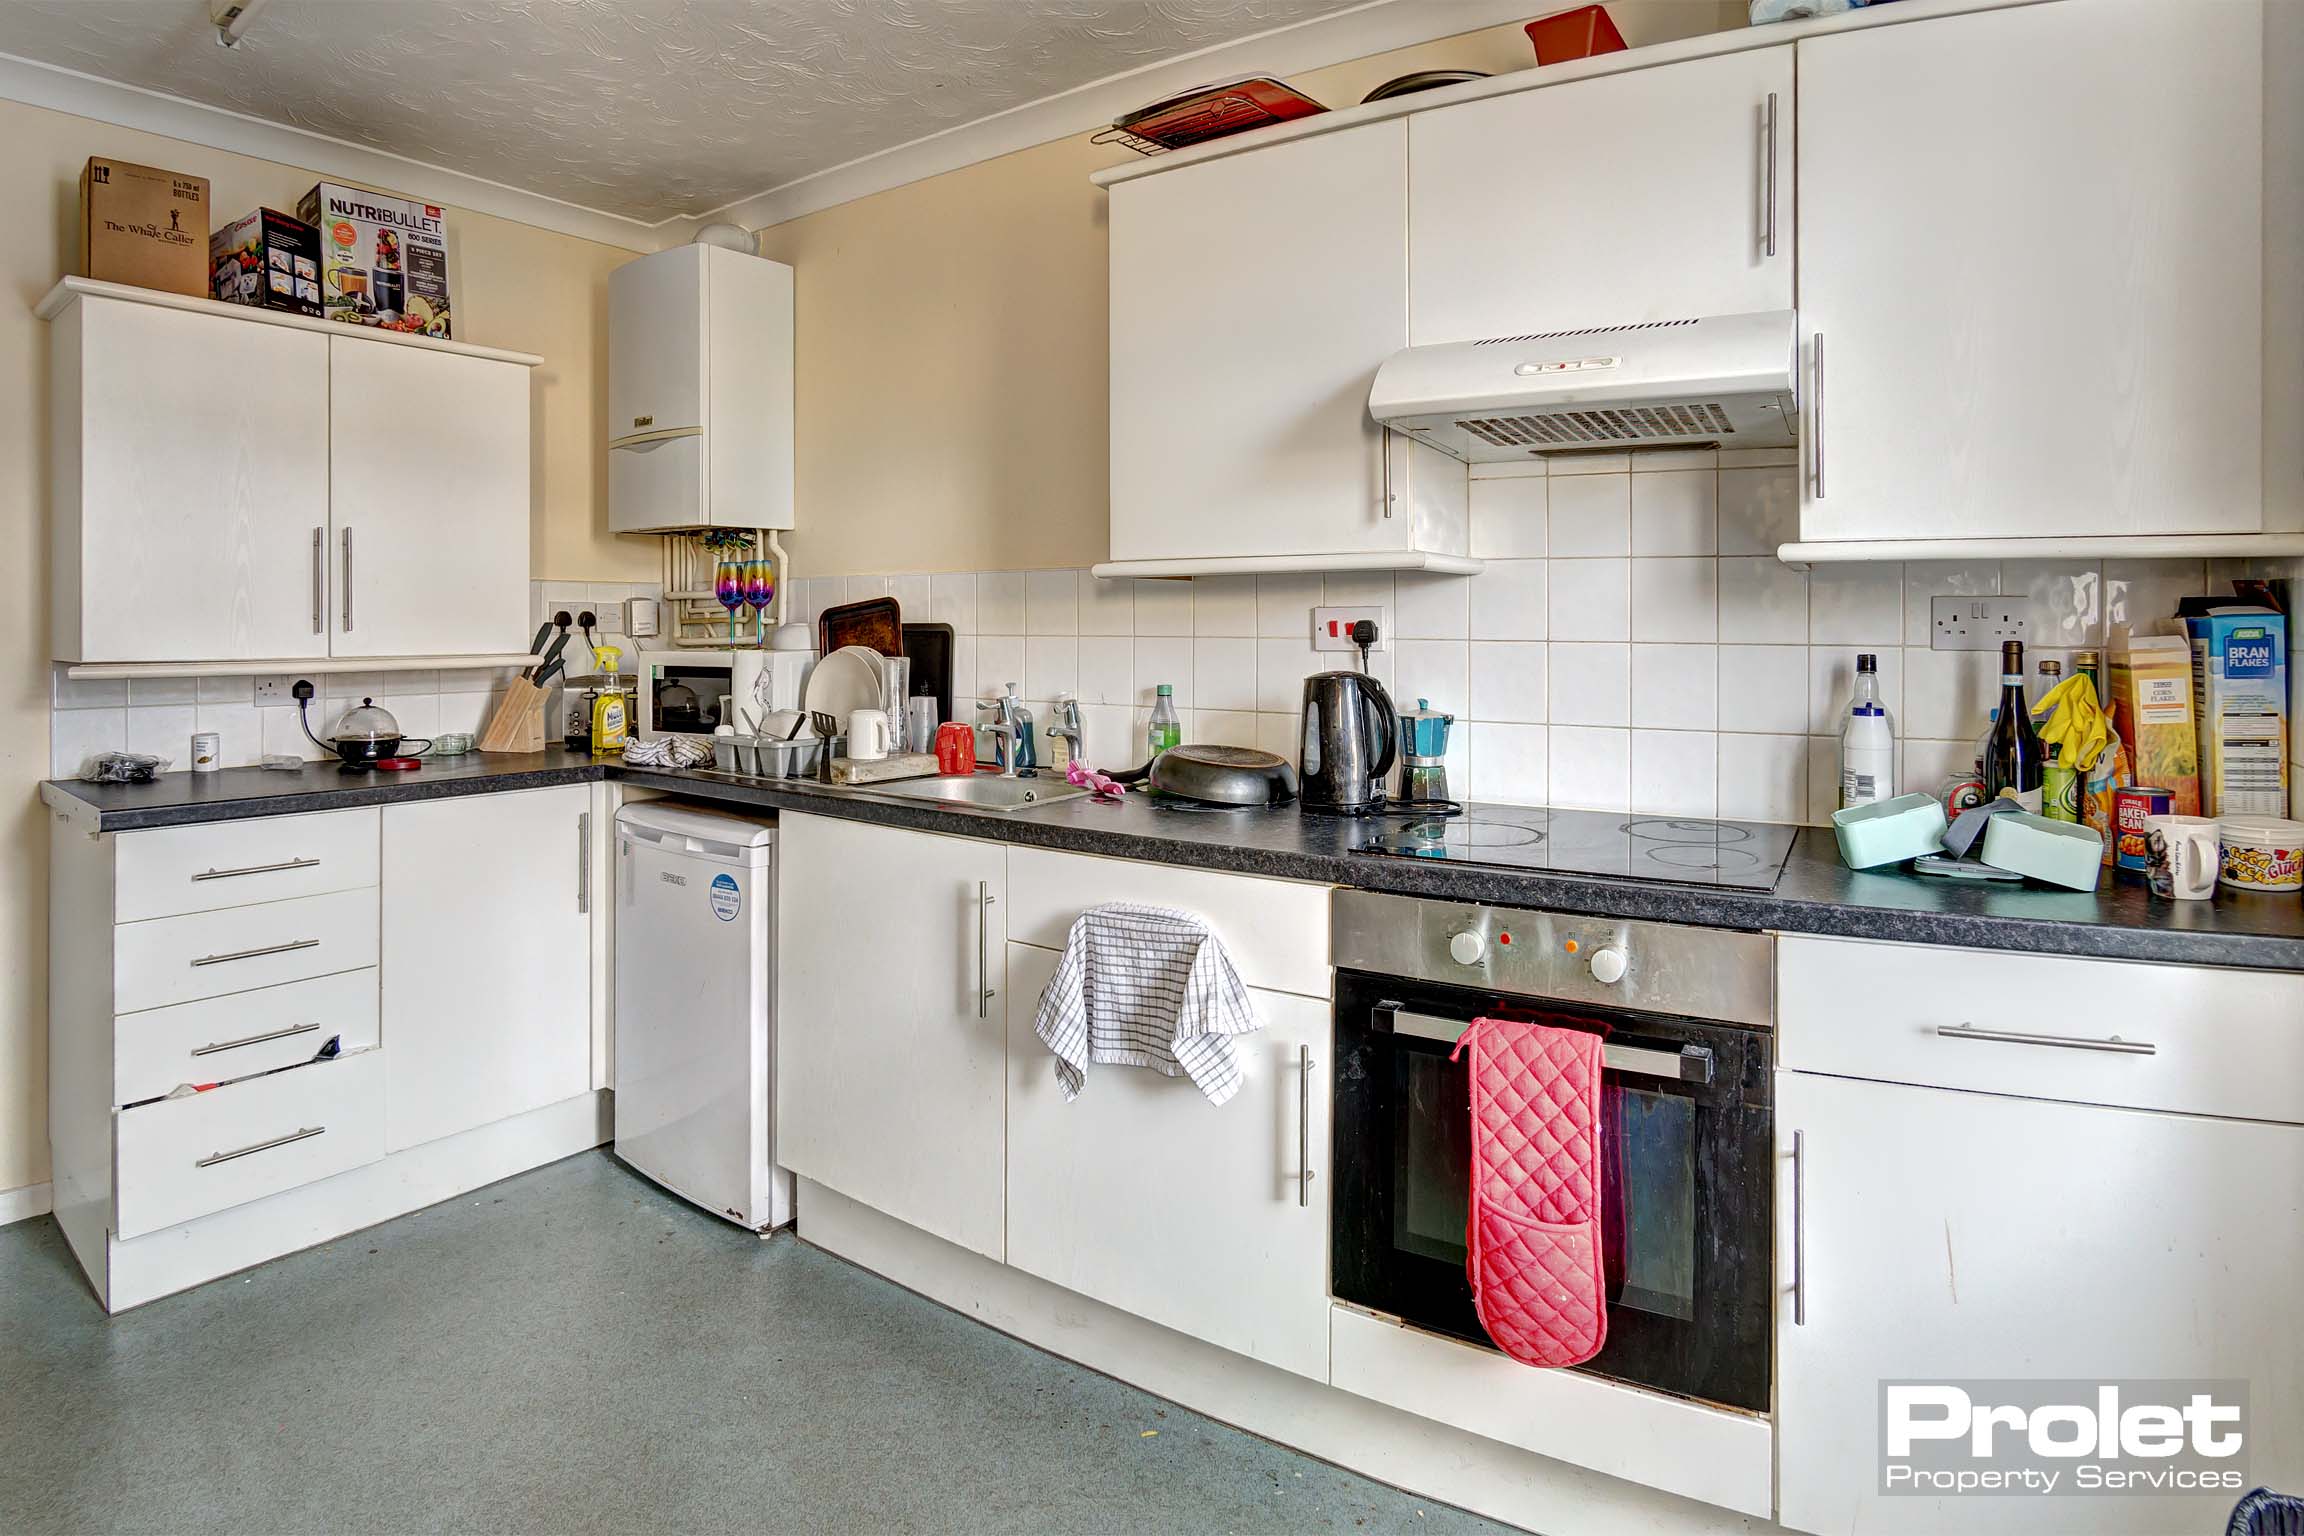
[2014, 763]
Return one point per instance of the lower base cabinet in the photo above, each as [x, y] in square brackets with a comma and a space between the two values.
[1142, 1194]
[1964, 1237]
[487, 993]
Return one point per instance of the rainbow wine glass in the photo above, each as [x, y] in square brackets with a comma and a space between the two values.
[759, 591]
[728, 588]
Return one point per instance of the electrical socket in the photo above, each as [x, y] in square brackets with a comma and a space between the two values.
[274, 691]
[1959, 623]
[1332, 628]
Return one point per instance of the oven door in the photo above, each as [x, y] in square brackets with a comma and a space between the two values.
[1686, 1194]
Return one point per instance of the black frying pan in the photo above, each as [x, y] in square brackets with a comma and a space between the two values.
[1218, 775]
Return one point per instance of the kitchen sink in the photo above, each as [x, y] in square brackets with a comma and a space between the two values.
[986, 792]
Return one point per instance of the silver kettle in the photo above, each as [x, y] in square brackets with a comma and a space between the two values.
[1349, 741]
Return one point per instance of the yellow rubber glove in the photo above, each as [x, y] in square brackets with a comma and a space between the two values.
[2076, 720]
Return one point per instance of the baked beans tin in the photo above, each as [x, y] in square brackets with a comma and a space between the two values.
[2130, 808]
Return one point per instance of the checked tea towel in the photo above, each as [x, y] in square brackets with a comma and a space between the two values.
[1145, 987]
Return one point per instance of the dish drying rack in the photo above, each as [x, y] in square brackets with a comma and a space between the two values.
[1208, 112]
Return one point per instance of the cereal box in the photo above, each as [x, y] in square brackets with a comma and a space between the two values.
[383, 259]
[144, 226]
[2240, 706]
[266, 259]
[2152, 711]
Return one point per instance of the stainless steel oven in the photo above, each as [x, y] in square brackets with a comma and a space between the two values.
[1685, 1123]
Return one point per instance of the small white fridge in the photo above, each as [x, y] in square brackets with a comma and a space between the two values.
[695, 1046]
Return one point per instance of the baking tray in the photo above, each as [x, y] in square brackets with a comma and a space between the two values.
[876, 623]
[930, 647]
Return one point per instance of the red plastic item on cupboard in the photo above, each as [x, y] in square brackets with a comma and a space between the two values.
[955, 748]
[1576, 34]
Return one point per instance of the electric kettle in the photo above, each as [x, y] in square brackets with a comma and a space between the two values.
[1350, 738]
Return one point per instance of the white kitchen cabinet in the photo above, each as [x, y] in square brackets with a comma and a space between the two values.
[1142, 1194]
[1950, 1235]
[2031, 274]
[1252, 299]
[1655, 194]
[189, 456]
[486, 938]
[428, 488]
[892, 1021]
[235, 484]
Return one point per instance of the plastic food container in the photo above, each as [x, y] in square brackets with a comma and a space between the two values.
[2261, 853]
[2058, 852]
[1576, 34]
[1889, 831]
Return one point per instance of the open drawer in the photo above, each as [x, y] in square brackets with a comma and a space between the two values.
[183, 1158]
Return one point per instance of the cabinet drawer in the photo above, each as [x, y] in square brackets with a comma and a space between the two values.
[207, 954]
[183, 1158]
[174, 870]
[2192, 1039]
[1275, 930]
[244, 1033]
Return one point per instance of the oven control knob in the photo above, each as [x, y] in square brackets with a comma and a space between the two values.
[1607, 966]
[1467, 947]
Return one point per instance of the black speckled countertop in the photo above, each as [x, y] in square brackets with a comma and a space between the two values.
[1815, 894]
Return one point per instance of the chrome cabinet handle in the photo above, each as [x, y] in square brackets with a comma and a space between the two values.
[1304, 1125]
[255, 869]
[583, 861]
[233, 1045]
[251, 954]
[1799, 1229]
[984, 992]
[305, 1134]
[347, 581]
[319, 580]
[1384, 458]
[1769, 172]
[1816, 418]
[2112, 1043]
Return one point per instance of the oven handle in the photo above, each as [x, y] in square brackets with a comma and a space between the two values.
[1631, 1056]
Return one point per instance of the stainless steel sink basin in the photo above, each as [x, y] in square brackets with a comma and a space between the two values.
[986, 792]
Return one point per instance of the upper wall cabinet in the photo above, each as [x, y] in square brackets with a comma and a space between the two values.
[2031, 274]
[1657, 194]
[232, 485]
[699, 391]
[1252, 298]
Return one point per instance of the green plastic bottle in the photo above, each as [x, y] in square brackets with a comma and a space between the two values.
[1166, 730]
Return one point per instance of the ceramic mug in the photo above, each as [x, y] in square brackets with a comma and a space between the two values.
[2184, 856]
[868, 739]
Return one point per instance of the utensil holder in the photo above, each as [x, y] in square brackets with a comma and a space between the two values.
[518, 723]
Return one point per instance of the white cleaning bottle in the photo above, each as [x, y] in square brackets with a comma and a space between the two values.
[1867, 741]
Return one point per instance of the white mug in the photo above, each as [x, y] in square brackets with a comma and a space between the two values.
[868, 739]
[2193, 854]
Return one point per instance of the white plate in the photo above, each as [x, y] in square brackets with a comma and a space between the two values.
[844, 682]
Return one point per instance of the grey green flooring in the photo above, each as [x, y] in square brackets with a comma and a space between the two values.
[573, 1350]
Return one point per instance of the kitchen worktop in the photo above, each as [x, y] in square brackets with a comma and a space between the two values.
[1815, 894]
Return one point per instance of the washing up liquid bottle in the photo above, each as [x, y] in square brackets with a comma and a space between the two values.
[1867, 741]
[611, 717]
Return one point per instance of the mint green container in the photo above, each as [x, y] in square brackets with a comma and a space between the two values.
[2056, 852]
[1889, 831]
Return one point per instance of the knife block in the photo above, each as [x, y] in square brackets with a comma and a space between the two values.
[518, 724]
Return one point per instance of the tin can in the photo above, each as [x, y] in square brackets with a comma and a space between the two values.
[207, 752]
[2130, 808]
[2060, 792]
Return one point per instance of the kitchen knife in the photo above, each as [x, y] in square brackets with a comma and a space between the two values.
[536, 673]
[536, 646]
[545, 674]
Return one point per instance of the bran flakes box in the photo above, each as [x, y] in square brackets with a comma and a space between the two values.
[383, 259]
[2240, 707]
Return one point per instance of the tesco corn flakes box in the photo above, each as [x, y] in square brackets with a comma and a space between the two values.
[383, 259]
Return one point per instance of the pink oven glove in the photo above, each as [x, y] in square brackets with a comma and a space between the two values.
[1098, 786]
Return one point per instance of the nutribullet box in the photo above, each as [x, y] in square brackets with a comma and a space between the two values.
[144, 226]
[383, 259]
[266, 259]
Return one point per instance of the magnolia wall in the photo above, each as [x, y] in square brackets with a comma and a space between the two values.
[515, 287]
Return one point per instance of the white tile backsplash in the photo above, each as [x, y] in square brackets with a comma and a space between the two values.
[1591, 768]
[1508, 681]
[1052, 602]
[1590, 516]
[1509, 519]
[1676, 599]
[1590, 600]
[1676, 512]
[1510, 601]
[1675, 687]
[1591, 684]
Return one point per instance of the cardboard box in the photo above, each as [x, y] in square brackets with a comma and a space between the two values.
[144, 226]
[266, 259]
[383, 259]
[2152, 711]
[2240, 706]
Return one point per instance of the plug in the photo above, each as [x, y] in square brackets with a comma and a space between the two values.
[301, 690]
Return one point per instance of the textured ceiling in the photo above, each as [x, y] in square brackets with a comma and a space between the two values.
[650, 109]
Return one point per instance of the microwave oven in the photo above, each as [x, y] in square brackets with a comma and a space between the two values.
[683, 693]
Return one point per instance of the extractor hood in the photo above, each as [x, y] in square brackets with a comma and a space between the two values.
[1725, 379]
